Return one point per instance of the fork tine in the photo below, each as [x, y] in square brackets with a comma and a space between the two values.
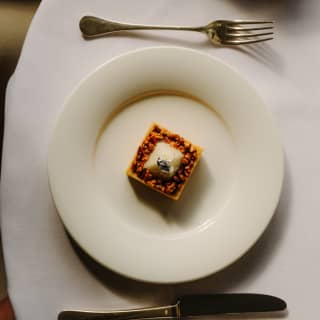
[248, 29]
[232, 22]
[238, 42]
[248, 35]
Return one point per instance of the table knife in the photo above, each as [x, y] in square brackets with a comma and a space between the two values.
[188, 306]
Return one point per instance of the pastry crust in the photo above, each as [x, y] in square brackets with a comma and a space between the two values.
[173, 187]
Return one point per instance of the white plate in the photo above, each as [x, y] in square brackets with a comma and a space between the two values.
[229, 200]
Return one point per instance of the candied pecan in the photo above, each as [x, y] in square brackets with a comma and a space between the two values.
[152, 182]
[171, 187]
[147, 151]
[182, 149]
[153, 140]
[186, 173]
[157, 129]
[158, 136]
[176, 178]
[184, 161]
[139, 168]
[175, 137]
[148, 175]
[140, 175]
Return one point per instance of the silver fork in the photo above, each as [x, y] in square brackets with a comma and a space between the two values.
[221, 32]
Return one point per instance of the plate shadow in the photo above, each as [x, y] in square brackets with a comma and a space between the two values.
[243, 271]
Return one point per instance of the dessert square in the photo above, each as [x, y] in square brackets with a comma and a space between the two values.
[164, 161]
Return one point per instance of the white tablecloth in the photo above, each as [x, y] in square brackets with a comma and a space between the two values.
[45, 274]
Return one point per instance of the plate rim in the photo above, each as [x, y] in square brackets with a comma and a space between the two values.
[240, 76]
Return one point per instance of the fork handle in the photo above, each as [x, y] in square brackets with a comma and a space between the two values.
[91, 26]
[146, 313]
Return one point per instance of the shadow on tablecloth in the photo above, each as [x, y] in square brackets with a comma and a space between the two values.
[281, 10]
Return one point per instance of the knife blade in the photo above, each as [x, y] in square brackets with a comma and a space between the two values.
[198, 305]
[188, 306]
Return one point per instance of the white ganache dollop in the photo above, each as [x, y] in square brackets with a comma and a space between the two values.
[164, 161]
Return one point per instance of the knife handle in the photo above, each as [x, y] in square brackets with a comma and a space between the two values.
[156, 312]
